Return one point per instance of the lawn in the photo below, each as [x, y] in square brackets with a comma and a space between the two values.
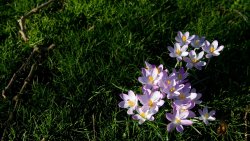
[100, 48]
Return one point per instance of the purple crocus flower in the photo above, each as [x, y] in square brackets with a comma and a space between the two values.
[152, 100]
[183, 39]
[185, 106]
[130, 101]
[194, 61]
[177, 120]
[205, 116]
[172, 88]
[150, 77]
[178, 52]
[194, 96]
[198, 42]
[144, 113]
[181, 75]
[212, 49]
[184, 94]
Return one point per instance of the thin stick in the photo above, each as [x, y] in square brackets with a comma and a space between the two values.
[21, 21]
[93, 120]
[17, 73]
[245, 119]
[26, 81]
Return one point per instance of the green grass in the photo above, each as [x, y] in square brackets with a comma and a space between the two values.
[100, 47]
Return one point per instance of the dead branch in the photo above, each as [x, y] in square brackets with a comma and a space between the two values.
[246, 122]
[26, 81]
[17, 73]
[38, 50]
[21, 21]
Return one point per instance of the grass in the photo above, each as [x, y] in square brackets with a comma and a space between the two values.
[100, 48]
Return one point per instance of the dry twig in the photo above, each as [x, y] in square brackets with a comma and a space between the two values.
[21, 21]
[246, 121]
[36, 50]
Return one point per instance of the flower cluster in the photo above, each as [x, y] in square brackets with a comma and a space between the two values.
[198, 44]
[161, 85]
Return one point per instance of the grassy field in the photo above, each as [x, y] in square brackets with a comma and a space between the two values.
[100, 48]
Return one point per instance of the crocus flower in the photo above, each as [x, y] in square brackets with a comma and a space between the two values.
[184, 106]
[181, 75]
[150, 67]
[184, 93]
[197, 42]
[194, 61]
[212, 49]
[177, 120]
[144, 113]
[205, 116]
[172, 88]
[194, 96]
[152, 100]
[184, 39]
[178, 52]
[130, 102]
[150, 77]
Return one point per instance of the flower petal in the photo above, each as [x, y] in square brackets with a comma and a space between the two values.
[122, 104]
[179, 128]
[215, 44]
[186, 122]
[169, 116]
[170, 127]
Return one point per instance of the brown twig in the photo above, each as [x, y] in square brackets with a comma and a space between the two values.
[26, 81]
[35, 50]
[38, 50]
[17, 97]
[246, 122]
[17, 73]
[21, 21]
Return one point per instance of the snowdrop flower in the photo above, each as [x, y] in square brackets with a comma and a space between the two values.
[178, 52]
[184, 39]
[144, 113]
[212, 49]
[130, 102]
[194, 61]
[177, 120]
[197, 42]
[205, 116]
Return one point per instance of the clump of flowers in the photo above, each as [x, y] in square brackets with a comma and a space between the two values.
[161, 85]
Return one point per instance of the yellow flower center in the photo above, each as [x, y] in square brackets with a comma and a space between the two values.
[212, 49]
[197, 42]
[179, 76]
[168, 82]
[194, 60]
[206, 115]
[150, 103]
[151, 79]
[183, 109]
[177, 121]
[182, 96]
[131, 103]
[172, 89]
[184, 38]
[178, 52]
[143, 115]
